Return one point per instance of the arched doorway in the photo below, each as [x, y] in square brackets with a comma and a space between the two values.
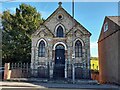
[59, 62]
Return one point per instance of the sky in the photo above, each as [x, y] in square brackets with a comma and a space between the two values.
[90, 14]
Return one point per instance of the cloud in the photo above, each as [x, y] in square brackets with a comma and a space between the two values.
[94, 49]
[93, 45]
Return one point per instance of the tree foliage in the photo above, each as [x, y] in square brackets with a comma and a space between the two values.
[94, 58]
[16, 33]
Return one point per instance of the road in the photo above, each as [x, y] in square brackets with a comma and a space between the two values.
[53, 86]
[28, 88]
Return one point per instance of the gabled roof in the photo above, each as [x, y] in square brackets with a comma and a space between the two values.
[61, 8]
[115, 19]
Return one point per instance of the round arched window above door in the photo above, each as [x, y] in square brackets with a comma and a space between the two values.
[60, 46]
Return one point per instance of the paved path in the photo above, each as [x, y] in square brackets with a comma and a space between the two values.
[37, 86]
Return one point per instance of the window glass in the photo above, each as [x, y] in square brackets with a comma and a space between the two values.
[78, 49]
[105, 27]
[60, 32]
[41, 50]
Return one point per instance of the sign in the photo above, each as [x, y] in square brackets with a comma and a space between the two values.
[49, 39]
[73, 56]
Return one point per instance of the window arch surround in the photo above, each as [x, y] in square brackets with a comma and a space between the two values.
[41, 49]
[41, 46]
[82, 42]
[40, 41]
[81, 45]
[78, 49]
[58, 44]
[60, 31]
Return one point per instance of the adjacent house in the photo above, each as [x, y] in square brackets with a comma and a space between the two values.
[109, 50]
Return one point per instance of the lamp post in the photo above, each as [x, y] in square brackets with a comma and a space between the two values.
[73, 55]
[73, 68]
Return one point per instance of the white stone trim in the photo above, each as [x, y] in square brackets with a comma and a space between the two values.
[60, 43]
[62, 27]
[40, 41]
[81, 58]
[80, 41]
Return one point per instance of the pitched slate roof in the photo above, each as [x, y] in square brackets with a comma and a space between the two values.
[115, 19]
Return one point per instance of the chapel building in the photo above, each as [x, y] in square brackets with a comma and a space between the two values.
[58, 43]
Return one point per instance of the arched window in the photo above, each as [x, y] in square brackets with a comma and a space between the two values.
[41, 50]
[78, 49]
[59, 32]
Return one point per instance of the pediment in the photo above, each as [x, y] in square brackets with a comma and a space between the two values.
[42, 31]
[67, 20]
[82, 29]
[78, 33]
[78, 30]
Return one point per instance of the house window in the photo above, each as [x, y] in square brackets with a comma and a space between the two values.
[41, 50]
[78, 49]
[105, 26]
[60, 32]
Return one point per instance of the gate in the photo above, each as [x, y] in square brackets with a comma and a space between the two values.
[59, 65]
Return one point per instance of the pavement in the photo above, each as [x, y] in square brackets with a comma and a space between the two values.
[61, 86]
[62, 81]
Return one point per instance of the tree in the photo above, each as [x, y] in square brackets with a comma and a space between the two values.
[94, 58]
[16, 33]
